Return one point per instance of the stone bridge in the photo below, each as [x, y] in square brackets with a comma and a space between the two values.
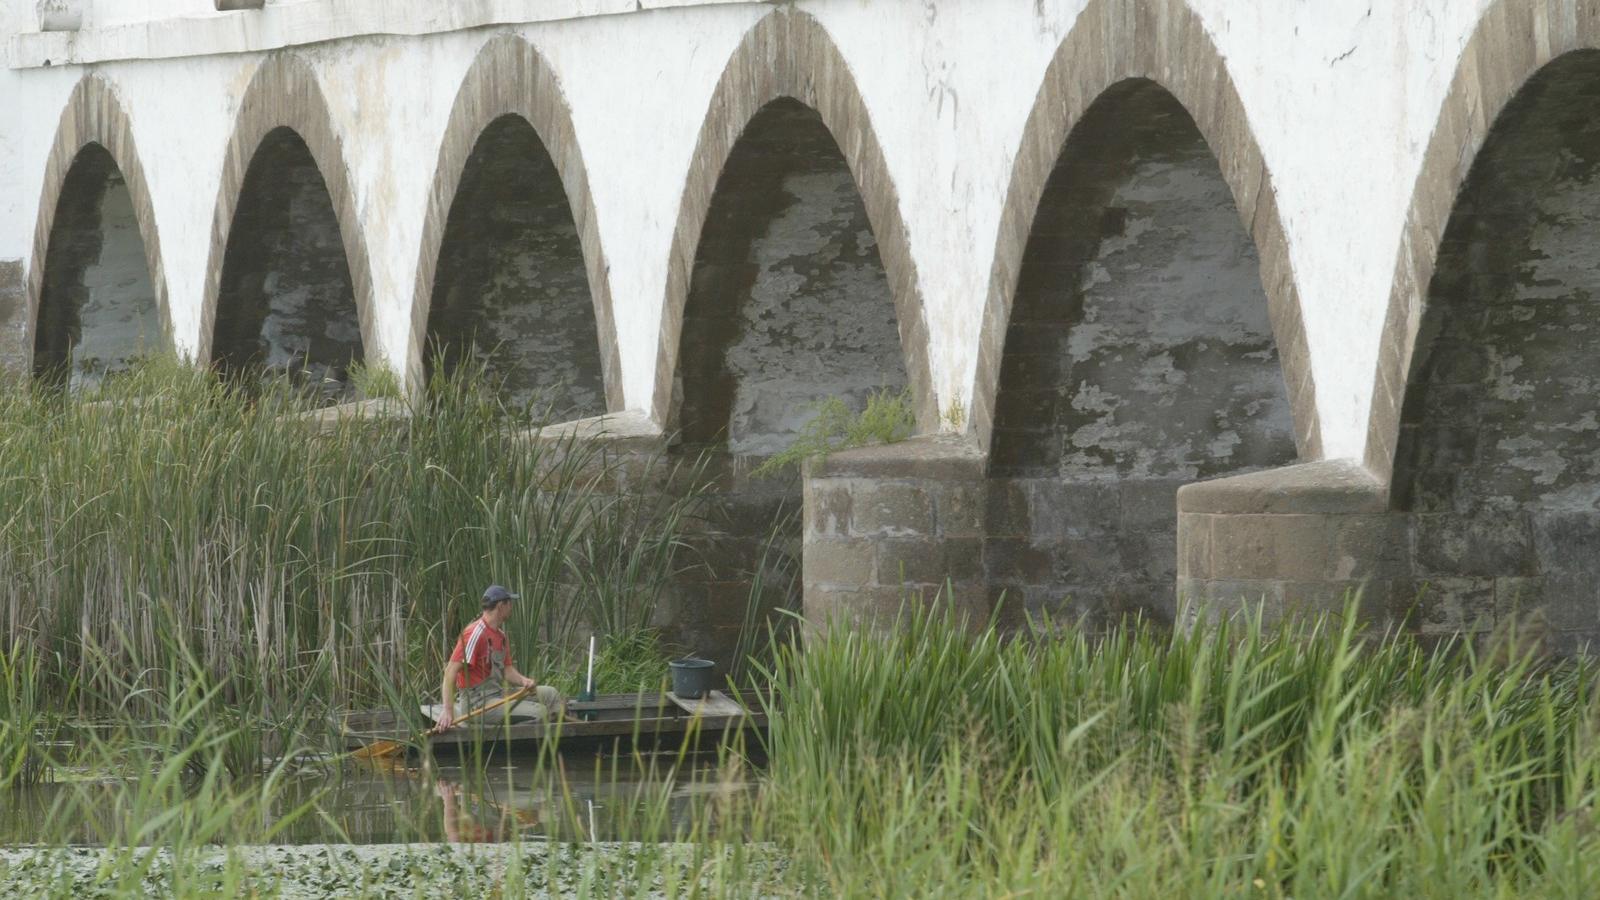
[1197, 303]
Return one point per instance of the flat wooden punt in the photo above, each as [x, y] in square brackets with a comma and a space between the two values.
[611, 720]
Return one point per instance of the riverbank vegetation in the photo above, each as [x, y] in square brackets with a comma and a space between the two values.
[192, 577]
[1312, 762]
[291, 557]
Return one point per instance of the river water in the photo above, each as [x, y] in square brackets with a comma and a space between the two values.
[570, 799]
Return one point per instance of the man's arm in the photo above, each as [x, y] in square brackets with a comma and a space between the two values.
[447, 718]
[517, 678]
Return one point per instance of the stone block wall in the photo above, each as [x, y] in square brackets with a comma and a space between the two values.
[740, 564]
[894, 524]
[16, 357]
[1093, 551]
[1497, 462]
[1297, 540]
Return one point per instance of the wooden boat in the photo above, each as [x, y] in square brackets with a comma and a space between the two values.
[609, 723]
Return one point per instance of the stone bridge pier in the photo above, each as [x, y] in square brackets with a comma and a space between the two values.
[1193, 306]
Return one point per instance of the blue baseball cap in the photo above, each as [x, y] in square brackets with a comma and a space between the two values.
[497, 595]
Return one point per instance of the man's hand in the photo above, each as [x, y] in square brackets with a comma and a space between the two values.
[447, 719]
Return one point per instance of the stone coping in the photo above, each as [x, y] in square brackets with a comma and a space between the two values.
[628, 430]
[297, 24]
[935, 456]
[1336, 486]
[376, 409]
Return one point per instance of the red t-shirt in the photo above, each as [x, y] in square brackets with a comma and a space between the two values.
[474, 650]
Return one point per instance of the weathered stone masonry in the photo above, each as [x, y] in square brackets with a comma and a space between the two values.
[788, 305]
[512, 291]
[98, 309]
[1497, 475]
[1139, 358]
[286, 302]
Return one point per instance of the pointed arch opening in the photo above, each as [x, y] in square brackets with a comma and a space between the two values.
[511, 290]
[98, 310]
[1139, 356]
[1497, 462]
[286, 301]
[788, 303]
[788, 199]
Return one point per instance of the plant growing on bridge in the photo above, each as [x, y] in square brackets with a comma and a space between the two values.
[886, 418]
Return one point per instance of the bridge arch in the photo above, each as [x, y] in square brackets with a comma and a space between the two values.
[511, 81]
[1139, 335]
[787, 58]
[1112, 43]
[1484, 423]
[94, 124]
[1512, 42]
[283, 110]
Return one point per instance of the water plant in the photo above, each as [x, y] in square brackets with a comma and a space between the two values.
[168, 501]
[938, 759]
[30, 718]
[1306, 762]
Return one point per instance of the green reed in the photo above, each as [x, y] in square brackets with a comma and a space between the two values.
[169, 502]
[31, 718]
[1306, 762]
[939, 760]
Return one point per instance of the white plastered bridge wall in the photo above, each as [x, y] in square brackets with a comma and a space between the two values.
[1341, 98]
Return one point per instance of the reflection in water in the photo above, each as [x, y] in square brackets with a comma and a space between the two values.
[522, 798]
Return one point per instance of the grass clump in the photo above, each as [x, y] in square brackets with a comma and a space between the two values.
[30, 717]
[1229, 762]
[338, 559]
[886, 418]
[1311, 761]
[375, 382]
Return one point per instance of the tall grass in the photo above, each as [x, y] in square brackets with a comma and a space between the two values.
[1229, 762]
[31, 715]
[168, 502]
[1306, 762]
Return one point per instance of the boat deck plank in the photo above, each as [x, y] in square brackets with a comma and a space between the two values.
[610, 718]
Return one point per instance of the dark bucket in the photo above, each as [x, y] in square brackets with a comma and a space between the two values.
[691, 678]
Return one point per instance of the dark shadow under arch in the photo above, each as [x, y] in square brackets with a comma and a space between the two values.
[511, 291]
[97, 306]
[284, 94]
[94, 122]
[1163, 41]
[789, 55]
[1497, 463]
[1140, 357]
[286, 303]
[1512, 42]
[510, 78]
[789, 303]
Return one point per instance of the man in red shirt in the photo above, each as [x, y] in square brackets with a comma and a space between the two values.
[481, 667]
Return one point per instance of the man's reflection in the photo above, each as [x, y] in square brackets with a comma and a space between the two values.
[466, 812]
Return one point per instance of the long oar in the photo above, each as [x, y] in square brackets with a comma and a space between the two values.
[385, 749]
